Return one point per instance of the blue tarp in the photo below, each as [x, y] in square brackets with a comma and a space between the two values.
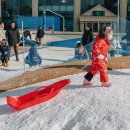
[35, 22]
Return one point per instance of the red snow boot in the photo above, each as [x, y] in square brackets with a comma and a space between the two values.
[87, 83]
[106, 84]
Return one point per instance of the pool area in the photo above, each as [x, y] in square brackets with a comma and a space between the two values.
[71, 43]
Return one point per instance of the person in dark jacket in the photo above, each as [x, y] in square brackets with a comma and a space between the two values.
[13, 37]
[87, 38]
[39, 35]
[27, 33]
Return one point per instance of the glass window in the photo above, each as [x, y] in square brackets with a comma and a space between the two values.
[62, 8]
[48, 2]
[70, 2]
[26, 7]
[41, 6]
[48, 7]
[109, 4]
[63, 2]
[55, 2]
[55, 8]
[128, 8]
[41, 2]
[70, 8]
[98, 13]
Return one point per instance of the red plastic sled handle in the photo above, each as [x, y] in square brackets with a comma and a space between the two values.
[45, 94]
[40, 88]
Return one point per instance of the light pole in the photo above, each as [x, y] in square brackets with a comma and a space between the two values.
[44, 20]
[118, 24]
[55, 14]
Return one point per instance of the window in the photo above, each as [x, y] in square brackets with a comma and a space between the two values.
[98, 13]
[62, 8]
[48, 2]
[55, 8]
[26, 7]
[70, 2]
[55, 2]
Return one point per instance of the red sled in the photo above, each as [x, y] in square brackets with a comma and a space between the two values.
[40, 95]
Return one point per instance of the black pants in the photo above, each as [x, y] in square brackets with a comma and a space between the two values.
[88, 76]
[15, 47]
[4, 59]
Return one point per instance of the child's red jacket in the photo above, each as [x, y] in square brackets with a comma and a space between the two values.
[101, 46]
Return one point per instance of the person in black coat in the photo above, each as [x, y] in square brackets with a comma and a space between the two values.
[87, 38]
[13, 37]
[27, 33]
[39, 35]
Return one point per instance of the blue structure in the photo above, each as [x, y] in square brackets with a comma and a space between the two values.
[35, 22]
[33, 58]
[71, 43]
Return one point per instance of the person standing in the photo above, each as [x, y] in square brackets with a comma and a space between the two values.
[13, 37]
[2, 35]
[39, 35]
[113, 48]
[87, 38]
[2, 31]
[99, 56]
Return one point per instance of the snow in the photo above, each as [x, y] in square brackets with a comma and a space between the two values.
[50, 56]
[75, 108]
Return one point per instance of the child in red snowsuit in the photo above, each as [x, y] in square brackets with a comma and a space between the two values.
[99, 56]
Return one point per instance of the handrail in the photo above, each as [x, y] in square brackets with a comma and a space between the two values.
[57, 15]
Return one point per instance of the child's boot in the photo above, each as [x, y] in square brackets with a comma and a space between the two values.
[106, 84]
[87, 83]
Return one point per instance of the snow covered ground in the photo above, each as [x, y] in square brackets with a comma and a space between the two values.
[50, 56]
[75, 107]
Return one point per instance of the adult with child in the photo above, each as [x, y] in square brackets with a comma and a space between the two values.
[99, 55]
[2, 39]
[13, 37]
[80, 51]
[87, 38]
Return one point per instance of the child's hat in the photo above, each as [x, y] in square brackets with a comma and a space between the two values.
[78, 42]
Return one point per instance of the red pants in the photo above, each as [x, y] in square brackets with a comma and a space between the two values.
[102, 68]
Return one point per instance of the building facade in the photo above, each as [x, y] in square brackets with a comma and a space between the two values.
[77, 13]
